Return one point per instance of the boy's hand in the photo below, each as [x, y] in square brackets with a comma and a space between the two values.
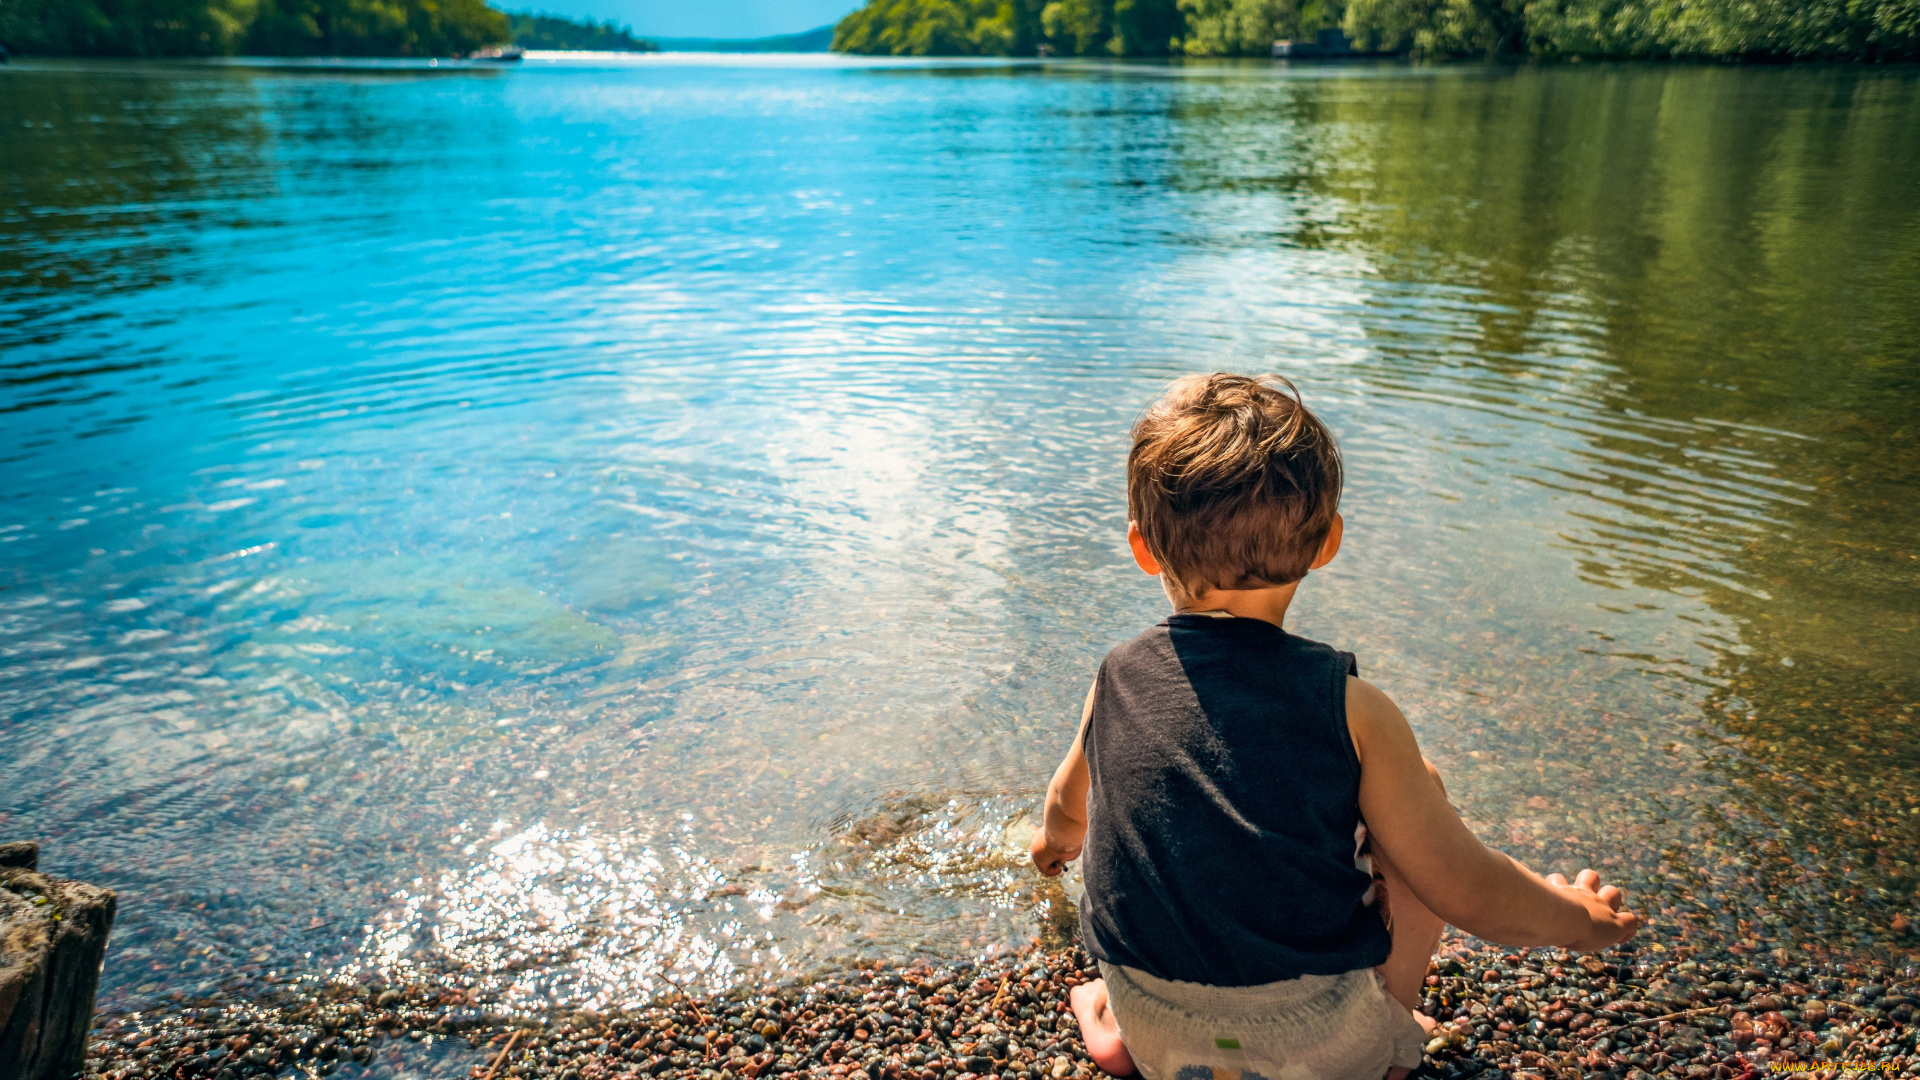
[1606, 923]
[1051, 858]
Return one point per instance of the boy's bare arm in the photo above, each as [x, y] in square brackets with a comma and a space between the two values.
[1064, 827]
[1475, 888]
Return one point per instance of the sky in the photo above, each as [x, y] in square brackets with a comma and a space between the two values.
[699, 18]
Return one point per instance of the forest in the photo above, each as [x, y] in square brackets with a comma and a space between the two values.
[163, 28]
[583, 35]
[1755, 30]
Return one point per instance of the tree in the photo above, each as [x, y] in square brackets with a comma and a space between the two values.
[940, 28]
[1756, 29]
[1250, 27]
[1145, 27]
[1439, 27]
[125, 27]
[1076, 27]
[1834, 29]
[269, 27]
[532, 31]
[375, 27]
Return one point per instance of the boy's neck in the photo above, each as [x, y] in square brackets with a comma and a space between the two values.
[1267, 605]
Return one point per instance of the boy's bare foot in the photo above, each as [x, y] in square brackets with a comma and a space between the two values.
[1098, 1029]
[1428, 1025]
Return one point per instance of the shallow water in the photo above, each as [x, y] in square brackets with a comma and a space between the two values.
[600, 528]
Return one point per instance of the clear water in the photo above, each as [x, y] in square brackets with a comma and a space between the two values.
[600, 528]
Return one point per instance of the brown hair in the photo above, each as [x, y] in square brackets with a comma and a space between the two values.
[1233, 482]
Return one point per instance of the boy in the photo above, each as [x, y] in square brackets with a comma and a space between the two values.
[1269, 857]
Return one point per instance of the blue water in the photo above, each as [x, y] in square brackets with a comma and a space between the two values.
[606, 527]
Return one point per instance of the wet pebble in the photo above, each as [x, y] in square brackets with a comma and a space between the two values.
[1501, 1016]
[1630, 1014]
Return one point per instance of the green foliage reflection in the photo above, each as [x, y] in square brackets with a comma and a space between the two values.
[1724, 261]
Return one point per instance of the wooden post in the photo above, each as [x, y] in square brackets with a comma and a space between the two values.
[53, 937]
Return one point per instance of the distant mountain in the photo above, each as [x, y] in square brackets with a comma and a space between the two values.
[815, 40]
[531, 31]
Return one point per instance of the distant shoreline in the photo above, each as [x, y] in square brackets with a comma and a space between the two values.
[816, 40]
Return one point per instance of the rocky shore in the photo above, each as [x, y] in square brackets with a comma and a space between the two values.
[1541, 1015]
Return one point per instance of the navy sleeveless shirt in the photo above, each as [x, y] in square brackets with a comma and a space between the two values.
[1223, 828]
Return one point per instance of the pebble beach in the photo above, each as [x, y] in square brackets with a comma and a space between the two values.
[1536, 1015]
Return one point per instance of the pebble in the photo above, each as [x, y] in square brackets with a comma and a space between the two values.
[1503, 1015]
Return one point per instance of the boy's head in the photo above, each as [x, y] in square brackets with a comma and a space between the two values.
[1232, 483]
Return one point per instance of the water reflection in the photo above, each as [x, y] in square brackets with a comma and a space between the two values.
[106, 179]
[608, 529]
[1737, 260]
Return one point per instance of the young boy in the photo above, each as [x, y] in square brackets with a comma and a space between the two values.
[1269, 857]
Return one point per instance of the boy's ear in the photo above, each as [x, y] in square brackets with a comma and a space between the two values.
[1141, 556]
[1331, 545]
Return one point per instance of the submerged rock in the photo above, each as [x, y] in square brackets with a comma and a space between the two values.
[467, 612]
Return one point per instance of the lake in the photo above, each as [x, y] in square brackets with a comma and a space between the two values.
[597, 528]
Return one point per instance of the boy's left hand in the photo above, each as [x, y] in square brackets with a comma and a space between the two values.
[1607, 923]
[1051, 858]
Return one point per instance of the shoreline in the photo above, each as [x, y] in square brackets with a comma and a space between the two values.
[1541, 1014]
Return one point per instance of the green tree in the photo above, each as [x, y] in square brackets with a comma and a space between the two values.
[1013, 29]
[1438, 27]
[375, 27]
[1145, 27]
[940, 28]
[1781, 29]
[1833, 29]
[267, 27]
[531, 31]
[1884, 29]
[1010, 27]
[1111, 27]
[1250, 27]
[1076, 27]
[125, 27]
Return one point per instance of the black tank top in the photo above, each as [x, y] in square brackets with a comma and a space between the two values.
[1224, 808]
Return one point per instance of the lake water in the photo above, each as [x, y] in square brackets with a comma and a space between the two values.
[597, 528]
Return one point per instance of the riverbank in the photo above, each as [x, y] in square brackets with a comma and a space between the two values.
[1872, 30]
[1543, 1014]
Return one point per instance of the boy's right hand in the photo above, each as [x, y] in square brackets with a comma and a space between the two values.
[1051, 858]
[1607, 924]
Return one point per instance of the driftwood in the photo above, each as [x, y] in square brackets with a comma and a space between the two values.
[53, 936]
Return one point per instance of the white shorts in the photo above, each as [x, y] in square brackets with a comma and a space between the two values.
[1316, 1027]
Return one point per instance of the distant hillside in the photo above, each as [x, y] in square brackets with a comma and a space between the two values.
[815, 40]
[531, 31]
[254, 27]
